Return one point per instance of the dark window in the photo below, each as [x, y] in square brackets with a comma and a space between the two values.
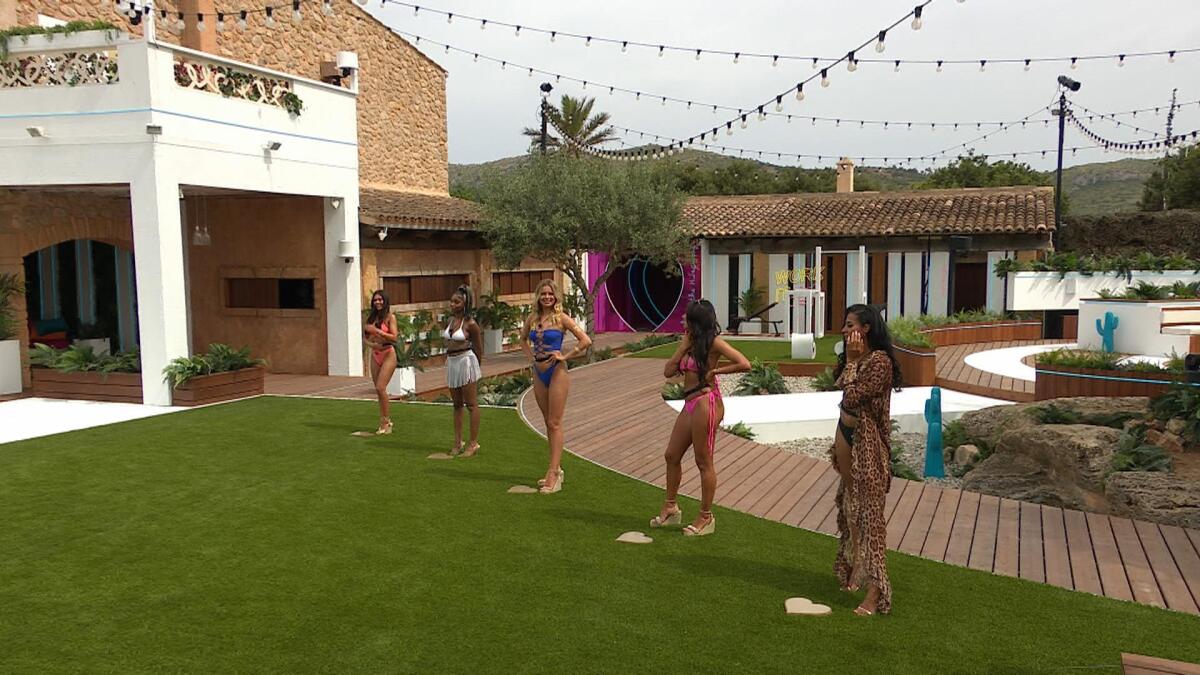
[422, 289]
[271, 293]
[518, 283]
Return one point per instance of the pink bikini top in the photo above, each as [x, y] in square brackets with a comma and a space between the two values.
[688, 365]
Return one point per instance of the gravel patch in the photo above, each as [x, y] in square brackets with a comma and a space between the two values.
[795, 385]
[912, 453]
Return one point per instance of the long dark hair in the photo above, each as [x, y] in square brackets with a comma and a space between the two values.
[702, 326]
[468, 305]
[377, 317]
[877, 338]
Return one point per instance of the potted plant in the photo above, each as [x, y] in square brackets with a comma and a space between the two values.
[413, 345]
[496, 318]
[10, 347]
[95, 336]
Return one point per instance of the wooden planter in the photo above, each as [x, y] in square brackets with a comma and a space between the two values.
[115, 387]
[127, 387]
[219, 387]
[918, 365]
[1065, 381]
[971, 333]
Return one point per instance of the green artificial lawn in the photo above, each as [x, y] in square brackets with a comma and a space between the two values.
[260, 536]
[775, 351]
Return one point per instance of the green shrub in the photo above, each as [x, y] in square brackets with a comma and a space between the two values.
[82, 359]
[763, 378]
[219, 359]
[1182, 402]
[504, 391]
[825, 381]
[1121, 265]
[751, 300]
[954, 434]
[740, 429]
[11, 289]
[1143, 457]
[1053, 414]
[906, 331]
[603, 354]
[672, 391]
[899, 468]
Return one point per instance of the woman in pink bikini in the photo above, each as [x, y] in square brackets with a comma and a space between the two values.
[696, 359]
[380, 334]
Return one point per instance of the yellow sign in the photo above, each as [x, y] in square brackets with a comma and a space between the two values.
[797, 277]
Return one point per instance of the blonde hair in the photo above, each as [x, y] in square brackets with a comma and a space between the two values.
[536, 314]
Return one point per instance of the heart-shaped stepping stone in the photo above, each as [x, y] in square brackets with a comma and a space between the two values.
[634, 538]
[440, 455]
[522, 490]
[363, 434]
[805, 607]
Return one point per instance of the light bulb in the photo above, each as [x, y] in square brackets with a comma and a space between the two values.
[483, 24]
[982, 63]
[553, 34]
[624, 47]
[503, 65]
[270, 18]
[1121, 61]
[416, 10]
[697, 54]
[735, 57]
[200, 25]
[221, 23]
[879, 46]
[1171, 56]
[743, 124]
[800, 92]
[296, 16]
[660, 51]
[1074, 63]
[825, 77]
[664, 100]
[241, 23]
[327, 9]
[852, 65]
[449, 18]
[939, 66]
[1027, 65]
[728, 130]
[531, 75]
[517, 32]
[916, 23]
[778, 107]
[774, 61]
[814, 63]
[179, 23]
[897, 68]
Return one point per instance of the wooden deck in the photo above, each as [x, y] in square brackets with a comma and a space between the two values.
[954, 373]
[431, 381]
[616, 418]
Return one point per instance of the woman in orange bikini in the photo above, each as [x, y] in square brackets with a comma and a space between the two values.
[542, 341]
[696, 427]
[380, 334]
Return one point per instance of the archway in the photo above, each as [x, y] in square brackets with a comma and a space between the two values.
[81, 289]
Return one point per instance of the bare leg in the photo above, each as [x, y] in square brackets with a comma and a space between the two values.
[560, 386]
[456, 395]
[704, 458]
[382, 375]
[470, 396]
[541, 394]
[681, 438]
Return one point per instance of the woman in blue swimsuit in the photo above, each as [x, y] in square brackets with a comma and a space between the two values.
[542, 340]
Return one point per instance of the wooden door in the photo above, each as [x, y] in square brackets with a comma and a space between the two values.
[833, 283]
[970, 286]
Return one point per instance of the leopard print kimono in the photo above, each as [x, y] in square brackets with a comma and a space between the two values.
[867, 394]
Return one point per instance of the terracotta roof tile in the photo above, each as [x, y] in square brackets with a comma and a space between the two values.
[417, 210]
[1008, 210]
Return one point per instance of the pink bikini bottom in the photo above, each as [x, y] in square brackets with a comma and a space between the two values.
[713, 395]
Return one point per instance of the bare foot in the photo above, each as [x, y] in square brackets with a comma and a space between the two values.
[869, 603]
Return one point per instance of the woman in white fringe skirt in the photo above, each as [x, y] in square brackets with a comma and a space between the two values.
[463, 348]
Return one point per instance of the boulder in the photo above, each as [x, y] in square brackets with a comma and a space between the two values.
[1021, 478]
[1165, 440]
[1176, 425]
[1155, 496]
[988, 424]
[965, 455]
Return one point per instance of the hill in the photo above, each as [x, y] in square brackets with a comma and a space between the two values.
[1093, 189]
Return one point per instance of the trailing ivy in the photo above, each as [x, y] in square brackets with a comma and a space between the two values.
[70, 28]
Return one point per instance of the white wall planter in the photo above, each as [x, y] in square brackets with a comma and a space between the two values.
[10, 367]
[100, 346]
[403, 382]
[83, 40]
[493, 341]
[1041, 291]
[1139, 330]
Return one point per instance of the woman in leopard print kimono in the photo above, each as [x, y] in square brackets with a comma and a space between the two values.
[867, 372]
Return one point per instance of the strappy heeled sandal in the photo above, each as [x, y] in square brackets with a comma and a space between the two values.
[674, 517]
[863, 611]
[456, 450]
[542, 481]
[384, 429]
[470, 450]
[547, 489]
[705, 529]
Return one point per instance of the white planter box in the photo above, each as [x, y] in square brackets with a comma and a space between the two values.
[1139, 330]
[81, 41]
[1040, 291]
[493, 341]
[403, 382]
[10, 367]
[100, 346]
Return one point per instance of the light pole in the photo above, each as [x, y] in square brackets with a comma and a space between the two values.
[1073, 85]
[546, 89]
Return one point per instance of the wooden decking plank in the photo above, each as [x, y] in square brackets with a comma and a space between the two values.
[764, 484]
[756, 480]
[726, 463]
[983, 544]
[1108, 558]
[829, 525]
[1137, 664]
[1170, 581]
[795, 477]
[914, 538]
[893, 496]
[962, 532]
[902, 516]
[1186, 557]
[1137, 567]
[796, 492]
[1031, 557]
[1008, 539]
[822, 509]
[1054, 546]
[827, 481]
[936, 541]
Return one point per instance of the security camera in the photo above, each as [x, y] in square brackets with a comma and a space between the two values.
[546, 88]
[347, 62]
[1067, 82]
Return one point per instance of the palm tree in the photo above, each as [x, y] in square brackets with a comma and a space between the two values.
[574, 117]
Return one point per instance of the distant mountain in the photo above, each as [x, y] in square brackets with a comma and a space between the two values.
[1093, 189]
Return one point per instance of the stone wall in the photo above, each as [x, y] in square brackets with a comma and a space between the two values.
[33, 220]
[402, 94]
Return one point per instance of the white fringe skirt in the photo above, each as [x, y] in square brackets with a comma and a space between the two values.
[462, 369]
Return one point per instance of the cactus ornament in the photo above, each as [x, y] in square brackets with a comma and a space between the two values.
[935, 466]
[1107, 330]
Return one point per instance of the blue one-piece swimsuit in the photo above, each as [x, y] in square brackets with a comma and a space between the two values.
[544, 342]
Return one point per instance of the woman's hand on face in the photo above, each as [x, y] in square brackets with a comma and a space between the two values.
[855, 345]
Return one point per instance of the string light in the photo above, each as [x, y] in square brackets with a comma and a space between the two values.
[916, 22]
[879, 46]
[220, 23]
[800, 92]
[851, 65]
[200, 25]
[296, 16]
[824, 77]
[270, 17]
[180, 24]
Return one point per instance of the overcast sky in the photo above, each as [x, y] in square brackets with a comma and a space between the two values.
[489, 106]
